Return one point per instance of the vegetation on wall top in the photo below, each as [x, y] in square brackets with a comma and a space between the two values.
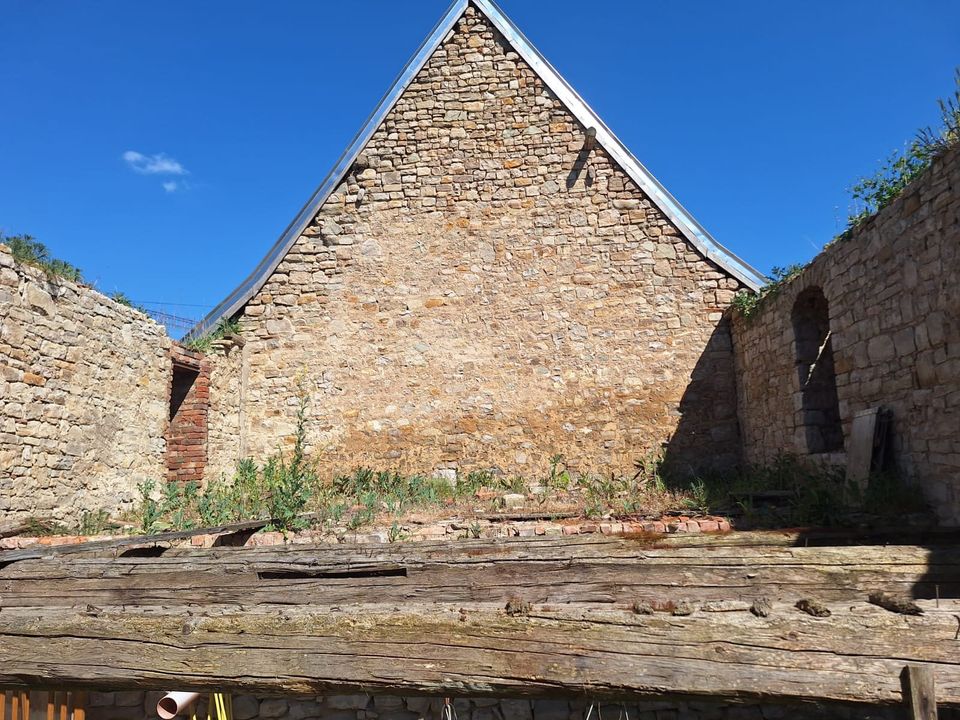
[27, 250]
[203, 343]
[872, 194]
[747, 303]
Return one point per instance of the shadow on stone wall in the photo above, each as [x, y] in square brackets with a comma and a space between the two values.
[707, 439]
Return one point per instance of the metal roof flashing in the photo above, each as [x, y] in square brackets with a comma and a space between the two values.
[695, 233]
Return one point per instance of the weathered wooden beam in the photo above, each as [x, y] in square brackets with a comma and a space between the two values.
[854, 656]
[117, 545]
[587, 570]
[541, 617]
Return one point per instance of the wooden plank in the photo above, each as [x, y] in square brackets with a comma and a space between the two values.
[860, 454]
[920, 688]
[554, 650]
[79, 702]
[587, 570]
[119, 544]
[430, 618]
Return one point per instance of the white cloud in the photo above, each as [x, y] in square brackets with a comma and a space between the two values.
[171, 186]
[158, 164]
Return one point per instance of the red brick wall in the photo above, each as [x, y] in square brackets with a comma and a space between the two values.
[189, 402]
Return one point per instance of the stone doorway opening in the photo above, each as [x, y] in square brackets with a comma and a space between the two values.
[820, 407]
[181, 384]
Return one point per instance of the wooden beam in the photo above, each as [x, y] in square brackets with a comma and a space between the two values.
[616, 618]
[853, 656]
[920, 689]
[586, 570]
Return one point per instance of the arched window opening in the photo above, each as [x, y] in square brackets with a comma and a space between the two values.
[820, 415]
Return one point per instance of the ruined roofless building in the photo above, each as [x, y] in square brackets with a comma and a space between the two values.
[486, 278]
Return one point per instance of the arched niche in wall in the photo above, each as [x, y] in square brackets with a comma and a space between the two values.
[820, 409]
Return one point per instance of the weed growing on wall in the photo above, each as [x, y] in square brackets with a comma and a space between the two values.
[747, 302]
[872, 194]
[203, 343]
[27, 250]
[122, 299]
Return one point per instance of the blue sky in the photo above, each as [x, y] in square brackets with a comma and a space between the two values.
[163, 147]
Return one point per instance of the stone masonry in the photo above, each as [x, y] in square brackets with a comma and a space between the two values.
[83, 397]
[123, 705]
[484, 289]
[893, 297]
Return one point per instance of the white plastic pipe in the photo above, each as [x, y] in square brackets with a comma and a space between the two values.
[175, 703]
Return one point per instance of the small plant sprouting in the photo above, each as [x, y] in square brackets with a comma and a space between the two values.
[699, 499]
[203, 343]
[122, 299]
[149, 508]
[396, 533]
[559, 477]
[747, 302]
[93, 522]
[289, 486]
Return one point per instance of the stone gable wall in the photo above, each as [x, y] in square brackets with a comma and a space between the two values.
[484, 290]
[893, 291]
[84, 385]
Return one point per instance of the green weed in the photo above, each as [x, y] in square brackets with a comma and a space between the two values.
[872, 194]
[29, 251]
[203, 343]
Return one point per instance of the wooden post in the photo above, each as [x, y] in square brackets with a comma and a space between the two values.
[3, 705]
[79, 705]
[919, 688]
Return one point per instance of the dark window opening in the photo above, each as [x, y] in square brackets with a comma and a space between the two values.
[183, 379]
[818, 382]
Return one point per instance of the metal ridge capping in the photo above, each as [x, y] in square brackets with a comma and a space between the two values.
[692, 230]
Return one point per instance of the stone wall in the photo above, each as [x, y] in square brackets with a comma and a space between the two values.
[485, 289]
[893, 299]
[225, 441]
[84, 385]
[124, 705]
